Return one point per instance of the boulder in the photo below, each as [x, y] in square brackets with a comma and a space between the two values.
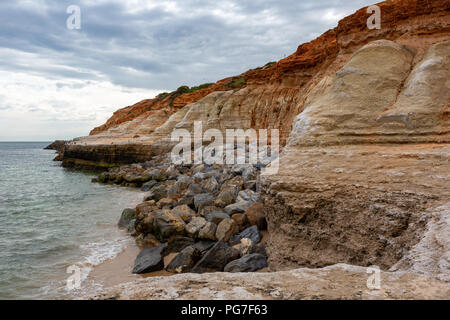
[244, 247]
[210, 185]
[131, 228]
[167, 224]
[248, 263]
[249, 174]
[203, 200]
[226, 229]
[240, 219]
[238, 207]
[204, 245]
[166, 203]
[251, 233]
[207, 210]
[127, 216]
[157, 193]
[208, 231]
[179, 243]
[217, 217]
[185, 260]
[256, 216]
[193, 228]
[248, 195]
[150, 260]
[226, 197]
[158, 175]
[216, 258]
[147, 241]
[184, 212]
[149, 185]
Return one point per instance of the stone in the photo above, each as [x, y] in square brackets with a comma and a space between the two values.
[180, 185]
[158, 175]
[208, 231]
[244, 247]
[194, 227]
[240, 219]
[226, 229]
[216, 217]
[248, 263]
[131, 228]
[210, 185]
[237, 182]
[226, 197]
[166, 203]
[203, 200]
[238, 207]
[199, 177]
[261, 249]
[184, 212]
[150, 260]
[195, 189]
[248, 195]
[216, 258]
[251, 185]
[256, 216]
[251, 233]
[177, 244]
[147, 241]
[185, 260]
[149, 185]
[249, 174]
[167, 224]
[208, 210]
[204, 245]
[157, 193]
[127, 216]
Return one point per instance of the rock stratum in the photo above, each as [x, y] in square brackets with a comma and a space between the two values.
[364, 120]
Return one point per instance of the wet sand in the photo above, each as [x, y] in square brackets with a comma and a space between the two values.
[118, 270]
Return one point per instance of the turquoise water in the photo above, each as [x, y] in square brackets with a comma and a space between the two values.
[52, 218]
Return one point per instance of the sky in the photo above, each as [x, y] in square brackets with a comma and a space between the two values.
[58, 82]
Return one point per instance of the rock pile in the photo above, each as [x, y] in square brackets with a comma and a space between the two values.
[210, 215]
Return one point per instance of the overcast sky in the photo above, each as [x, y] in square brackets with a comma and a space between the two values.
[57, 83]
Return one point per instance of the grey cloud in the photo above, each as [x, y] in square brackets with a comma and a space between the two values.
[159, 49]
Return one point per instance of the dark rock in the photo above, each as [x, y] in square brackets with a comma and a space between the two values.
[149, 185]
[248, 263]
[203, 200]
[185, 260]
[204, 245]
[261, 249]
[217, 217]
[157, 193]
[178, 244]
[157, 175]
[238, 207]
[251, 233]
[126, 217]
[150, 260]
[240, 219]
[226, 196]
[216, 258]
[130, 227]
[210, 185]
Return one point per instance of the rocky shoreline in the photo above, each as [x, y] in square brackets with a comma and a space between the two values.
[211, 216]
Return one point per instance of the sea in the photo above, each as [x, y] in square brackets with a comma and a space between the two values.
[55, 224]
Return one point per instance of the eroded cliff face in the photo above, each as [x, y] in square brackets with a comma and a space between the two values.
[365, 169]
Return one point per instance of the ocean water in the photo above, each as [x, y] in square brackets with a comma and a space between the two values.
[52, 218]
